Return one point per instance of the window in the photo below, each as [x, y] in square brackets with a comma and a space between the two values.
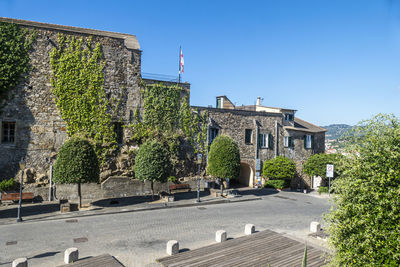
[289, 117]
[247, 137]
[288, 141]
[308, 141]
[219, 102]
[265, 140]
[213, 134]
[8, 132]
[119, 132]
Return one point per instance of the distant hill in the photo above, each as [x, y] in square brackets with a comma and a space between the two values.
[334, 131]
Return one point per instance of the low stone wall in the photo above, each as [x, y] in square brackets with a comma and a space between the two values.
[113, 187]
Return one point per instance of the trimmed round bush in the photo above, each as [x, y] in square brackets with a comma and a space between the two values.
[76, 163]
[224, 158]
[316, 165]
[153, 163]
[279, 168]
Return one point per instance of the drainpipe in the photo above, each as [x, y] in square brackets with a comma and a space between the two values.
[276, 138]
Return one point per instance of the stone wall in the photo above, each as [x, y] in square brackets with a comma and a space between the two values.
[113, 187]
[40, 130]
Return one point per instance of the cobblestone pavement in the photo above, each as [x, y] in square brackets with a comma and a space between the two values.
[138, 238]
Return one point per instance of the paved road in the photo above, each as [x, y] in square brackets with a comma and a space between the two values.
[138, 238]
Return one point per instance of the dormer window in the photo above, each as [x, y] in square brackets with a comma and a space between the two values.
[219, 102]
[289, 117]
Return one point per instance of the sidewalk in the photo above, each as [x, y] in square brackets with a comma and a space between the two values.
[50, 210]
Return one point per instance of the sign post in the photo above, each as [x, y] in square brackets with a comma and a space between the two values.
[329, 174]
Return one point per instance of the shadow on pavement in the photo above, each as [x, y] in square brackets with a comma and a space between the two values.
[258, 192]
[124, 201]
[29, 210]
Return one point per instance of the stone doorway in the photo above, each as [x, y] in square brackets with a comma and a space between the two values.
[246, 175]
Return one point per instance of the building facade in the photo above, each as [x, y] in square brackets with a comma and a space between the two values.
[263, 133]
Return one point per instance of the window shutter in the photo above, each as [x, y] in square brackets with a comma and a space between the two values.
[312, 141]
[305, 141]
[269, 140]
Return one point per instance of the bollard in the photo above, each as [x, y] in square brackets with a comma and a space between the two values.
[172, 247]
[21, 262]
[315, 227]
[249, 229]
[220, 236]
[71, 255]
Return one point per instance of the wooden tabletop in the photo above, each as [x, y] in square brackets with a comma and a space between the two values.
[259, 249]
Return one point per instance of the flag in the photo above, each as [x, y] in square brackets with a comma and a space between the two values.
[181, 62]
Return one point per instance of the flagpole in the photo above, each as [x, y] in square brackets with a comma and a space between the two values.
[179, 61]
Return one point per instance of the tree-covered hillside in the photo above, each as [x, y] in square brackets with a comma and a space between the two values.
[335, 131]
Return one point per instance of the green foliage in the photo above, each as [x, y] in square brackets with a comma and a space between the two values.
[15, 44]
[316, 165]
[277, 184]
[279, 168]
[76, 163]
[224, 158]
[77, 81]
[168, 118]
[364, 223]
[152, 162]
[304, 263]
[323, 189]
[7, 185]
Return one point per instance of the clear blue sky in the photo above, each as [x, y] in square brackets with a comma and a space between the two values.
[334, 61]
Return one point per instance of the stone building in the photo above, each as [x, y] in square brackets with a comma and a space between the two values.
[263, 133]
[30, 124]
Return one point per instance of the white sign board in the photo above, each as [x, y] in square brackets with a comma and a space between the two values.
[329, 170]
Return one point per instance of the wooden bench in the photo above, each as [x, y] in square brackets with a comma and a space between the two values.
[179, 187]
[15, 196]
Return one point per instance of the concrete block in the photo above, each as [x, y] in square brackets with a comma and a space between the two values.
[249, 229]
[71, 255]
[220, 236]
[21, 262]
[172, 247]
[315, 227]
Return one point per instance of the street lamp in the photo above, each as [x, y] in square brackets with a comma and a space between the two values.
[22, 167]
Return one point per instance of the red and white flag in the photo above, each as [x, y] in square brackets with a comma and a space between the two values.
[181, 63]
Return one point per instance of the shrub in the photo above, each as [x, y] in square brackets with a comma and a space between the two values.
[277, 184]
[76, 163]
[364, 223]
[153, 163]
[279, 168]
[7, 185]
[323, 189]
[224, 158]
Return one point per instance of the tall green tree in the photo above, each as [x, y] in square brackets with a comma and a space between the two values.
[152, 163]
[316, 165]
[364, 223]
[224, 158]
[76, 163]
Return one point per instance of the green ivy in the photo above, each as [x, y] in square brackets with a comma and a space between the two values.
[77, 80]
[15, 44]
[169, 118]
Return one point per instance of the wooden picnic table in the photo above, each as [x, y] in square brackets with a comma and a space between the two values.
[259, 249]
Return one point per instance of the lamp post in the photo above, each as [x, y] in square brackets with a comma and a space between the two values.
[199, 160]
[22, 167]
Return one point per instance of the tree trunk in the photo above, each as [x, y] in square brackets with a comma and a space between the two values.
[79, 195]
[152, 190]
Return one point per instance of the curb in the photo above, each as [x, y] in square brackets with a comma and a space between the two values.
[165, 206]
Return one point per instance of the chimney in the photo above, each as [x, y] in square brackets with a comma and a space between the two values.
[258, 101]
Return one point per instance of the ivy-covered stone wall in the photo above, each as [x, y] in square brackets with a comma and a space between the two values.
[40, 130]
